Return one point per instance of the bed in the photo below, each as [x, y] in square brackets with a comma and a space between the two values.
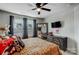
[37, 46]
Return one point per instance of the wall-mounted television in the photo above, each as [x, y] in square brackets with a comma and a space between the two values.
[56, 24]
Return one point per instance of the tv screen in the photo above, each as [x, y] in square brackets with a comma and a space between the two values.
[56, 24]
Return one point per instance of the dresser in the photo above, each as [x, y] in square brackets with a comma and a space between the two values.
[61, 41]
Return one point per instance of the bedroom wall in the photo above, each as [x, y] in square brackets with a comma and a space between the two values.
[70, 28]
[4, 17]
[76, 26]
[67, 29]
[4, 20]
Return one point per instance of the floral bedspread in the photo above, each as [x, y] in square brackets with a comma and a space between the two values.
[37, 46]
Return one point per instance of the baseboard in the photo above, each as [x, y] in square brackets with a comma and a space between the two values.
[72, 51]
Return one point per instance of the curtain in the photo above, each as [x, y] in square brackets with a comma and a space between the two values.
[11, 25]
[35, 29]
[25, 33]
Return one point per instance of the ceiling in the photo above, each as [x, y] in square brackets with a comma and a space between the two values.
[57, 9]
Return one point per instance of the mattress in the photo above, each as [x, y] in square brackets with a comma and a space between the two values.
[37, 46]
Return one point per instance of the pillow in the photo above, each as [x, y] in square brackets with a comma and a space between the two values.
[21, 43]
[10, 49]
[0, 37]
[15, 37]
[7, 37]
[50, 33]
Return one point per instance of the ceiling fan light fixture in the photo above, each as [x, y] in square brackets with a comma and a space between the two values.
[38, 9]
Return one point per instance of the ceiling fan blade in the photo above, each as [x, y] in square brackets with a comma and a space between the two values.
[34, 8]
[38, 5]
[46, 9]
[39, 13]
[44, 4]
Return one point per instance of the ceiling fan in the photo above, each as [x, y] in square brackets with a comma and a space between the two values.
[39, 7]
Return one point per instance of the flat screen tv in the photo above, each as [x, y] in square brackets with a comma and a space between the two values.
[56, 24]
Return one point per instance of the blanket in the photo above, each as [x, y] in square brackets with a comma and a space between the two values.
[37, 46]
[5, 43]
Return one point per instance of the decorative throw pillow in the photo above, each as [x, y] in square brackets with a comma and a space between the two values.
[18, 48]
[10, 49]
[50, 33]
[0, 37]
[7, 37]
[15, 37]
[21, 43]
